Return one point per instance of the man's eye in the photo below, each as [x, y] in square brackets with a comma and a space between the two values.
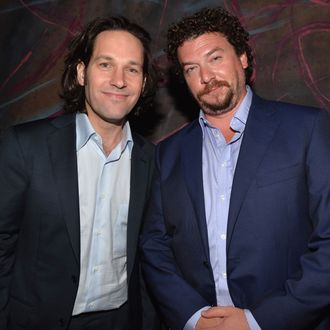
[133, 70]
[217, 58]
[104, 65]
[189, 70]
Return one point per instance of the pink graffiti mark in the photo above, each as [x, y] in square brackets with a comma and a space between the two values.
[235, 8]
[297, 36]
[321, 3]
[43, 18]
[43, 68]
[54, 56]
[23, 61]
[161, 22]
[274, 11]
[163, 14]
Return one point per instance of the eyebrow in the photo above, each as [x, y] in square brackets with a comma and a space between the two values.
[109, 58]
[211, 52]
[214, 50]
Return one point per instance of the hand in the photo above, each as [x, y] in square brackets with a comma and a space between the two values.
[224, 318]
[211, 323]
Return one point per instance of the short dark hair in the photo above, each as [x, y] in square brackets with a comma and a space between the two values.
[81, 50]
[205, 21]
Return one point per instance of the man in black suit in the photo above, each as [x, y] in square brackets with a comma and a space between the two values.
[73, 190]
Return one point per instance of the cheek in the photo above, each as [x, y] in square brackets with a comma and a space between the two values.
[193, 86]
[137, 86]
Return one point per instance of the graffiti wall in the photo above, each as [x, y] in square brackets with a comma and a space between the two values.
[290, 39]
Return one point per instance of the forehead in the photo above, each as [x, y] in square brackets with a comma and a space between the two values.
[203, 45]
[118, 44]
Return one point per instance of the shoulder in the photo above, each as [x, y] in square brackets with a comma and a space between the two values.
[294, 115]
[284, 108]
[43, 126]
[33, 134]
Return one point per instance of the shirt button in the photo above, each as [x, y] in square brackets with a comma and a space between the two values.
[95, 269]
[223, 164]
[102, 196]
[224, 275]
[91, 305]
[222, 197]
[223, 236]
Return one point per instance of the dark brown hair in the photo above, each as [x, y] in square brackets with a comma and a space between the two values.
[81, 50]
[205, 21]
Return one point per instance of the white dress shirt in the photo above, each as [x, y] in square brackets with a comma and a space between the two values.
[104, 186]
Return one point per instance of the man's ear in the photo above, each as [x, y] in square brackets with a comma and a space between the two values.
[81, 73]
[244, 60]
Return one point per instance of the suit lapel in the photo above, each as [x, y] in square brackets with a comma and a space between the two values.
[191, 150]
[260, 128]
[140, 169]
[62, 148]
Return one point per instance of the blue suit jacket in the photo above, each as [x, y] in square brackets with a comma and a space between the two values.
[278, 239]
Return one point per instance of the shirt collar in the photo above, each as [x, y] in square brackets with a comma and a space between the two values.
[239, 119]
[85, 131]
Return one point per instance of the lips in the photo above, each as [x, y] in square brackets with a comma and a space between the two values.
[116, 95]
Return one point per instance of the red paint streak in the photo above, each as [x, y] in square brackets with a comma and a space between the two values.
[161, 22]
[47, 64]
[51, 60]
[43, 19]
[297, 36]
[321, 3]
[163, 13]
[23, 61]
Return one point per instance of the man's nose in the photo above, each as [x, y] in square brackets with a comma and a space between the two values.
[206, 75]
[118, 78]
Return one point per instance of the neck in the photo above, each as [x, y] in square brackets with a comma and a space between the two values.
[111, 133]
[110, 139]
[222, 122]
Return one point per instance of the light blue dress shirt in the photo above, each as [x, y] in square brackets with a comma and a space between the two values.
[219, 162]
[104, 187]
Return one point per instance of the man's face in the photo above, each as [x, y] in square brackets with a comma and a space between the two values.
[113, 79]
[213, 72]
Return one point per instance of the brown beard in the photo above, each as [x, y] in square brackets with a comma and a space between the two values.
[217, 108]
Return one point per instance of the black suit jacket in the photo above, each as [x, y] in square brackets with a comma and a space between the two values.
[39, 224]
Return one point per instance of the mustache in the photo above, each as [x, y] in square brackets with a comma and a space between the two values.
[211, 85]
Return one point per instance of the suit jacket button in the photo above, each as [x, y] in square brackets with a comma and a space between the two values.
[61, 322]
[206, 264]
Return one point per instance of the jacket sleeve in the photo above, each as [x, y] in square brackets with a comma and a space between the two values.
[175, 297]
[13, 183]
[305, 301]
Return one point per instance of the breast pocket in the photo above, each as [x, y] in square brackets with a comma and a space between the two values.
[281, 175]
[120, 232]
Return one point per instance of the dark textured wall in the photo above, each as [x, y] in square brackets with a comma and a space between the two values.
[291, 40]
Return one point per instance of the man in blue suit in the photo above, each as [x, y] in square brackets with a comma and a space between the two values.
[237, 231]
